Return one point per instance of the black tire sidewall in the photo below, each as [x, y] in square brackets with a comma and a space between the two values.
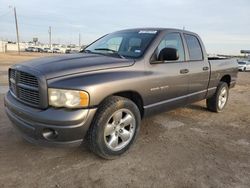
[102, 119]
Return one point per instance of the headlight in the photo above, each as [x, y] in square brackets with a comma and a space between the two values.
[68, 98]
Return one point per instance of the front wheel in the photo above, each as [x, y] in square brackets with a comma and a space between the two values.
[219, 100]
[114, 127]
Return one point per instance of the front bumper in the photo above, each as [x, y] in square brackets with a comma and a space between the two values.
[69, 126]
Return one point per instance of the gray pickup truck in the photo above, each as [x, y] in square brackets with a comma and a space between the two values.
[101, 94]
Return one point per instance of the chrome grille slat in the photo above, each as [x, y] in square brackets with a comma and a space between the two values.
[25, 87]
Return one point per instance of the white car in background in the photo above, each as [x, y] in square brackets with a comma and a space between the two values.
[243, 65]
[56, 50]
[47, 50]
[31, 49]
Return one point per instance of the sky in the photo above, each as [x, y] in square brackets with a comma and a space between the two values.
[224, 25]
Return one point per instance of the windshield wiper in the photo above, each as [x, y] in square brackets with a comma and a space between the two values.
[110, 50]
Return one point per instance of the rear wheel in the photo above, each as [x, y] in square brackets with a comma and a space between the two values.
[219, 100]
[114, 128]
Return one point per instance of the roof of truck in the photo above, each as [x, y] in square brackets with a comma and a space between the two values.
[156, 29]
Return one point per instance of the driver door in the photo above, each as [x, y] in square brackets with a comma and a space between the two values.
[168, 84]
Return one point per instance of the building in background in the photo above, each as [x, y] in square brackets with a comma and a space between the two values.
[246, 53]
[9, 46]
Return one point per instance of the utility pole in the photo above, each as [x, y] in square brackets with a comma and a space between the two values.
[17, 33]
[50, 37]
[80, 40]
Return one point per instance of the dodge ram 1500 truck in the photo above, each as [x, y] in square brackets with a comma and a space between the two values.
[101, 94]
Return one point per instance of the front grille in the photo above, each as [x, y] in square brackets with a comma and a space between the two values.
[28, 79]
[28, 95]
[24, 86]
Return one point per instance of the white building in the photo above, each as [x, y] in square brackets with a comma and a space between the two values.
[11, 47]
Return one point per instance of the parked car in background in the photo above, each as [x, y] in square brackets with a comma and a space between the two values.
[39, 49]
[56, 50]
[31, 49]
[71, 51]
[74, 51]
[244, 65]
[67, 51]
[48, 50]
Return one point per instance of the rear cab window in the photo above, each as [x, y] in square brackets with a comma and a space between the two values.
[194, 48]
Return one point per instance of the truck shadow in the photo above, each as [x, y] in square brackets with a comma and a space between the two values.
[197, 107]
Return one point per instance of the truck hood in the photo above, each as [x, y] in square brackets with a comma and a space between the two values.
[62, 65]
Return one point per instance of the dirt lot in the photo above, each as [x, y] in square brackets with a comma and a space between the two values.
[187, 147]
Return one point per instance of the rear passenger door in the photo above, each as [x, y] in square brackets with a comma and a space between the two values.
[198, 69]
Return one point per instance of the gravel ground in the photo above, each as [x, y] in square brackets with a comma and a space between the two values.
[186, 147]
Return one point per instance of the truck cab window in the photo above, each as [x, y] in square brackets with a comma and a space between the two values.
[194, 48]
[113, 43]
[172, 40]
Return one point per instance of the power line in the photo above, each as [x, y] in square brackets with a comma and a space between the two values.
[17, 33]
[50, 36]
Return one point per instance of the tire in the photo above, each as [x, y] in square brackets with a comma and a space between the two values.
[109, 135]
[218, 101]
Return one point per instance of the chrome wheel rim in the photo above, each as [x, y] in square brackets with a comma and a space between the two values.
[120, 129]
[222, 98]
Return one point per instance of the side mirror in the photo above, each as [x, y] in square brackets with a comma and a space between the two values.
[168, 54]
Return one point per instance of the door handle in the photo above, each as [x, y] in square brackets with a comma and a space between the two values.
[184, 71]
[205, 68]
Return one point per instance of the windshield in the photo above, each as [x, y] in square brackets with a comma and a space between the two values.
[242, 63]
[128, 44]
